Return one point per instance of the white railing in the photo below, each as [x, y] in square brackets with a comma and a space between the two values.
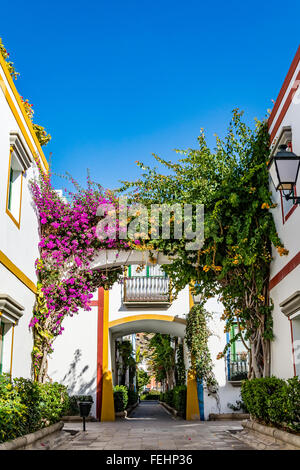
[146, 289]
[238, 367]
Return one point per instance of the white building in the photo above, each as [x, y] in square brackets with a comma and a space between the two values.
[284, 128]
[19, 234]
[84, 357]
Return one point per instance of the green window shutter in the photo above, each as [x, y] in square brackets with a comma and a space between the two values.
[1, 344]
[129, 270]
[10, 188]
[233, 346]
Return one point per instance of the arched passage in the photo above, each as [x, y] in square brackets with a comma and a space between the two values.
[153, 323]
[137, 322]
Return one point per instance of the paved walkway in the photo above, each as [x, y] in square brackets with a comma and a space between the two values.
[151, 427]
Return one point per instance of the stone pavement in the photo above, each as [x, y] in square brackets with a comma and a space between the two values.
[151, 427]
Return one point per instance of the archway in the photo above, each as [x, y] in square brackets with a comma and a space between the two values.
[136, 322]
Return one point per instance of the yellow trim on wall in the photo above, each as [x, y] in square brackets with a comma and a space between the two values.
[191, 300]
[23, 112]
[17, 272]
[107, 408]
[16, 222]
[146, 316]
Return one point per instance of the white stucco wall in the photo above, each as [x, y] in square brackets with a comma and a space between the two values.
[74, 360]
[227, 392]
[19, 245]
[22, 347]
[288, 231]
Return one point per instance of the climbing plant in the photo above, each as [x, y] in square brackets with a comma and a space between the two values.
[40, 131]
[196, 337]
[180, 372]
[68, 246]
[232, 183]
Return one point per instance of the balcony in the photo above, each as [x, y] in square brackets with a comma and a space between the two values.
[153, 291]
[238, 367]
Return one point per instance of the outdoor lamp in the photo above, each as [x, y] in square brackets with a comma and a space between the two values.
[196, 298]
[84, 408]
[284, 168]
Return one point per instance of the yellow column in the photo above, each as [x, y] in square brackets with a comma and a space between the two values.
[192, 404]
[108, 408]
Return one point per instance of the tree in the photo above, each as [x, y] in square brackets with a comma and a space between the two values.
[127, 361]
[234, 263]
[162, 359]
[143, 378]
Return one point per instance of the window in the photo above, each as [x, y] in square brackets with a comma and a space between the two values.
[11, 312]
[14, 190]
[146, 271]
[296, 341]
[146, 284]
[1, 344]
[237, 358]
[19, 162]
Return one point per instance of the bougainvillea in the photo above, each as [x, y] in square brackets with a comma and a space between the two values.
[69, 244]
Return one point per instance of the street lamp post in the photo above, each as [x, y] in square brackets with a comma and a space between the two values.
[284, 169]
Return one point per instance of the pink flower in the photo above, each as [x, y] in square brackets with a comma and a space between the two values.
[50, 245]
[78, 261]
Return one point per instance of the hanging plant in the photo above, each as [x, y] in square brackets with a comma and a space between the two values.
[196, 337]
[9, 64]
[41, 134]
[180, 366]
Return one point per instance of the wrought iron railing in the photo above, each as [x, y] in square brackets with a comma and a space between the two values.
[146, 289]
[238, 367]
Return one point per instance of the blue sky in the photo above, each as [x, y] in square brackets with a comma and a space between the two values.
[114, 81]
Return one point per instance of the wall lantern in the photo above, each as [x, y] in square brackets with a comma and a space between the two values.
[284, 168]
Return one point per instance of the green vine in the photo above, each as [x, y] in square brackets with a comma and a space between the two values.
[41, 134]
[232, 182]
[9, 64]
[180, 366]
[196, 337]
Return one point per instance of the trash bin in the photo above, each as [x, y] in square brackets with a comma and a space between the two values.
[84, 409]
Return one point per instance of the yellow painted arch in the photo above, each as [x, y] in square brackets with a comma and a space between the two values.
[146, 316]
